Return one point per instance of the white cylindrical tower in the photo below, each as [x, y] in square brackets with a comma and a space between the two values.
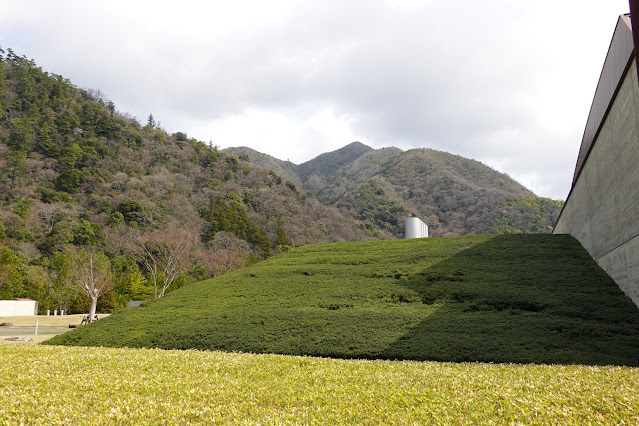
[415, 228]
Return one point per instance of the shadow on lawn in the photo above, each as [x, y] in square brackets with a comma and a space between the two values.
[521, 300]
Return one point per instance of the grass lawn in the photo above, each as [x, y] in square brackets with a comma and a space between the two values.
[492, 298]
[78, 385]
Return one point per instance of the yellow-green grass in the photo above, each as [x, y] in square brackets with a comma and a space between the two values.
[508, 298]
[78, 385]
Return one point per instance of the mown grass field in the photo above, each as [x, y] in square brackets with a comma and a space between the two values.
[83, 386]
[496, 298]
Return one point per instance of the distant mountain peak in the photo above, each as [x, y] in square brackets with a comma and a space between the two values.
[357, 145]
[329, 162]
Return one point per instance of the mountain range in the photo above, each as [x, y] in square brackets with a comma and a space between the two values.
[378, 188]
[76, 173]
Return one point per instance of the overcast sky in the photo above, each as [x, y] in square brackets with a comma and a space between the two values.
[508, 83]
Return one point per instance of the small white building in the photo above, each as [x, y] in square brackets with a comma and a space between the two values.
[415, 228]
[18, 308]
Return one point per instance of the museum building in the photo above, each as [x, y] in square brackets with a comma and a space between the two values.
[602, 208]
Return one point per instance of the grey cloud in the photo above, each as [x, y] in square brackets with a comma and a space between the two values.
[452, 76]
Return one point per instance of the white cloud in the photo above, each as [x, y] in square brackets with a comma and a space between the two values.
[282, 134]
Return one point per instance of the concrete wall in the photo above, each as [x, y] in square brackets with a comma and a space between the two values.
[602, 210]
[16, 308]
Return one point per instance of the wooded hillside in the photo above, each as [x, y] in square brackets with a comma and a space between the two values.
[77, 174]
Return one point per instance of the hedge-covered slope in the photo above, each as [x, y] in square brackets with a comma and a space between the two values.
[500, 298]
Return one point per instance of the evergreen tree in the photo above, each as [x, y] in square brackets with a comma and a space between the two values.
[111, 107]
[150, 122]
[21, 138]
[258, 238]
[45, 144]
[3, 76]
[138, 285]
[16, 166]
[282, 238]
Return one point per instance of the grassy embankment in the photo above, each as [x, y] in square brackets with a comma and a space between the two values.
[518, 298]
[87, 386]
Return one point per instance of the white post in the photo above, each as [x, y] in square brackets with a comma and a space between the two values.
[61, 311]
[55, 313]
[48, 312]
[36, 328]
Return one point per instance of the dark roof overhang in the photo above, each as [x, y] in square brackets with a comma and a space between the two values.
[618, 59]
[634, 6]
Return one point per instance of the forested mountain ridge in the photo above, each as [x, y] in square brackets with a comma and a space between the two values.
[77, 175]
[452, 194]
[286, 169]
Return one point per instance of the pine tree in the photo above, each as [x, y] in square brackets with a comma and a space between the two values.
[137, 285]
[150, 122]
[282, 238]
[3, 77]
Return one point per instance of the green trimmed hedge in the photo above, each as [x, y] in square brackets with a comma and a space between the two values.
[498, 298]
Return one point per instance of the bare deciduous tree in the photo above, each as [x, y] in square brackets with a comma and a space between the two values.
[52, 213]
[91, 274]
[164, 254]
[221, 262]
[226, 261]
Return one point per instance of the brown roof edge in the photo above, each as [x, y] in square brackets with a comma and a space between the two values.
[615, 66]
[634, 5]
